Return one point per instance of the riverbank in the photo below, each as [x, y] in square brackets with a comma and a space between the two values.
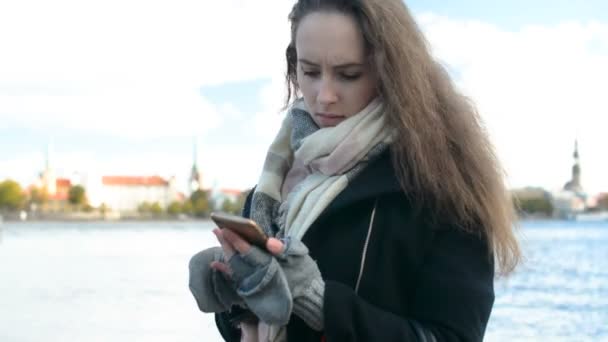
[136, 217]
[92, 217]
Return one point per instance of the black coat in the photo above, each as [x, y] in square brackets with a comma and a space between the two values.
[437, 277]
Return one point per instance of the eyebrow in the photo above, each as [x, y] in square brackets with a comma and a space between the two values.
[339, 66]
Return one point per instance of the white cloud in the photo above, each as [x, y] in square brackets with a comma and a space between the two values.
[132, 68]
[128, 112]
[537, 89]
[206, 42]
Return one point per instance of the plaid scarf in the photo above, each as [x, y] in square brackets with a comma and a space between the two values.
[307, 167]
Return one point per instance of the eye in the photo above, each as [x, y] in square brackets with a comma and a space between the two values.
[310, 73]
[350, 76]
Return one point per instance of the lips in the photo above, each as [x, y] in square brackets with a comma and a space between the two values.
[328, 119]
[330, 116]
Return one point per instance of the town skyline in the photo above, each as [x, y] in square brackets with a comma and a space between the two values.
[183, 183]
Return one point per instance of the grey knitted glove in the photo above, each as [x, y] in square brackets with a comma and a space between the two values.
[211, 289]
[262, 285]
[305, 282]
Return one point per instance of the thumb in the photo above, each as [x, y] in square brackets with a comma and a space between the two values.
[274, 246]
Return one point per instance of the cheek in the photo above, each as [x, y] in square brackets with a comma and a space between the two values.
[307, 88]
[360, 95]
[368, 87]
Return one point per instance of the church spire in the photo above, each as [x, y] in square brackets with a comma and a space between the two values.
[196, 177]
[49, 181]
[575, 183]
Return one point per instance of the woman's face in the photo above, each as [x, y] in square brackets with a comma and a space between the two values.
[333, 73]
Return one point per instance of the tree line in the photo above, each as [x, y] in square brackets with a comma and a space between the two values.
[200, 204]
[14, 198]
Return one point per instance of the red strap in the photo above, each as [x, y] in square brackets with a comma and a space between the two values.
[323, 339]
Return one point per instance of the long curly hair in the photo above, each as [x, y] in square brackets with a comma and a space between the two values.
[444, 160]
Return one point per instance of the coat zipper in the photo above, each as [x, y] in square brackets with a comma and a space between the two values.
[369, 234]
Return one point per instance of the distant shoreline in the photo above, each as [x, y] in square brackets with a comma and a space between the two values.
[85, 217]
[94, 217]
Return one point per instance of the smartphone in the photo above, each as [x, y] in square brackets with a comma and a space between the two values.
[245, 228]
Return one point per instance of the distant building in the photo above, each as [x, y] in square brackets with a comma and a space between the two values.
[62, 190]
[58, 196]
[48, 180]
[126, 193]
[574, 184]
[567, 204]
[571, 200]
[195, 182]
[600, 201]
[56, 189]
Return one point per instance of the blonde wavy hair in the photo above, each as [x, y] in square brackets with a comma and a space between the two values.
[444, 159]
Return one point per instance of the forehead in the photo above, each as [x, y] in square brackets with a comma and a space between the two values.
[330, 37]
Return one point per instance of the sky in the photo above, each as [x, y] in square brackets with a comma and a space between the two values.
[123, 87]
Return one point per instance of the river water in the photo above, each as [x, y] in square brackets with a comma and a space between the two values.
[128, 282]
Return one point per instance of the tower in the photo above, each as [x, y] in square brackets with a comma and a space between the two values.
[49, 181]
[576, 168]
[196, 176]
[575, 183]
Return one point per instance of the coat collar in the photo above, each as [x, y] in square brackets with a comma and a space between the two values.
[378, 178]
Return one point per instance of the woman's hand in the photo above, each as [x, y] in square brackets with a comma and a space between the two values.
[232, 243]
[213, 291]
[258, 277]
[305, 285]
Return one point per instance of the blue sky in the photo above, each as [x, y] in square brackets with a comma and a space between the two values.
[129, 97]
[514, 14]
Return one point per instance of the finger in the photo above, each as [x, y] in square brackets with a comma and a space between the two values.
[274, 246]
[226, 245]
[221, 267]
[239, 244]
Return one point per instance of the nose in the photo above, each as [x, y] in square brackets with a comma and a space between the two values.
[327, 93]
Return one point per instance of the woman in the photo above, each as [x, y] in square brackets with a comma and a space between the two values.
[382, 187]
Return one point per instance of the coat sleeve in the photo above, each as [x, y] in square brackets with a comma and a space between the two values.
[452, 298]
